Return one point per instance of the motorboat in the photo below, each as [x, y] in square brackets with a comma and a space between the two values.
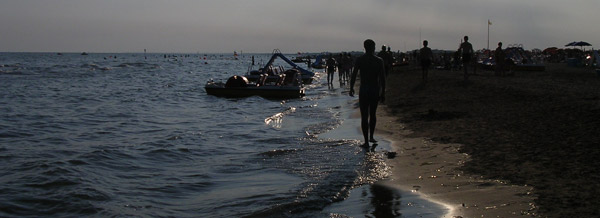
[288, 85]
[300, 59]
[319, 63]
[274, 72]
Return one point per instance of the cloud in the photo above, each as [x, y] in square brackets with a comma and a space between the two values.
[310, 25]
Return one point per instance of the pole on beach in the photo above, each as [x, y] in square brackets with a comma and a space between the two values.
[419, 44]
[488, 41]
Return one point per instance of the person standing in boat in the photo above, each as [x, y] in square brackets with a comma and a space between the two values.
[372, 89]
[330, 69]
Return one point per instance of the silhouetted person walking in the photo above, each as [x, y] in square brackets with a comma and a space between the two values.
[330, 69]
[426, 57]
[372, 88]
[340, 67]
[386, 57]
[466, 50]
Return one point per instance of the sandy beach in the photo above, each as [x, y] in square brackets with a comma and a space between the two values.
[522, 145]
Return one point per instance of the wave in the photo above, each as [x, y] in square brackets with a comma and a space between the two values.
[279, 152]
[276, 120]
[330, 169]
[13, 134]
[139, 65]
[95, 67]
[10, 72]
[49, 203]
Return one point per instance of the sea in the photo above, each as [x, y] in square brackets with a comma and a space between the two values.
[136, 135]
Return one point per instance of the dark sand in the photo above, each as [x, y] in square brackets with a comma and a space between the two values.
[533, 129]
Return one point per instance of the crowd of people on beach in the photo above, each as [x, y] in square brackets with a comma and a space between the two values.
[343, 63]
[374, 69]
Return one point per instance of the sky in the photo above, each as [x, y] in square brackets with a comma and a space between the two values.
[211, 26]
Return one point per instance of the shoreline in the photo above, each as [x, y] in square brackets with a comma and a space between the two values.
[431, 170]
[425, 178]
[382, 198]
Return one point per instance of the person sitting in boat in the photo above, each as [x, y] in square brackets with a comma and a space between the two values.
[261, 80]
[292, 77]
[270, 71]
[281, 80]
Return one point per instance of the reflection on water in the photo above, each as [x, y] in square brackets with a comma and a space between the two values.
[386, 202]
[376, 198]
[382, 201]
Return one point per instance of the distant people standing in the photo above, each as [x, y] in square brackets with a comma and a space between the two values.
[466, 50]
[456, 61]
[386, 57]
[391, 58]
[499, 56]
[426, 57]
[372, 89]
[347, 68]
[340, 66]
[308, 64]
[330, 69]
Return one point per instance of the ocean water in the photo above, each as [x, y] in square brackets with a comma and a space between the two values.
[134, 135]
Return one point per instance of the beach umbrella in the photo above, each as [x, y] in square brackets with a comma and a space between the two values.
[571, 44]
[582, 43]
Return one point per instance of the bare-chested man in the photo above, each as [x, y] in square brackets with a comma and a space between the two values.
[372, 88]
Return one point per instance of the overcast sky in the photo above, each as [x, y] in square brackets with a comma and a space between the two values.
[289, 25]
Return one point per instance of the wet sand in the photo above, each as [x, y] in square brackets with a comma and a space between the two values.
[381, 199]
[521, 145]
